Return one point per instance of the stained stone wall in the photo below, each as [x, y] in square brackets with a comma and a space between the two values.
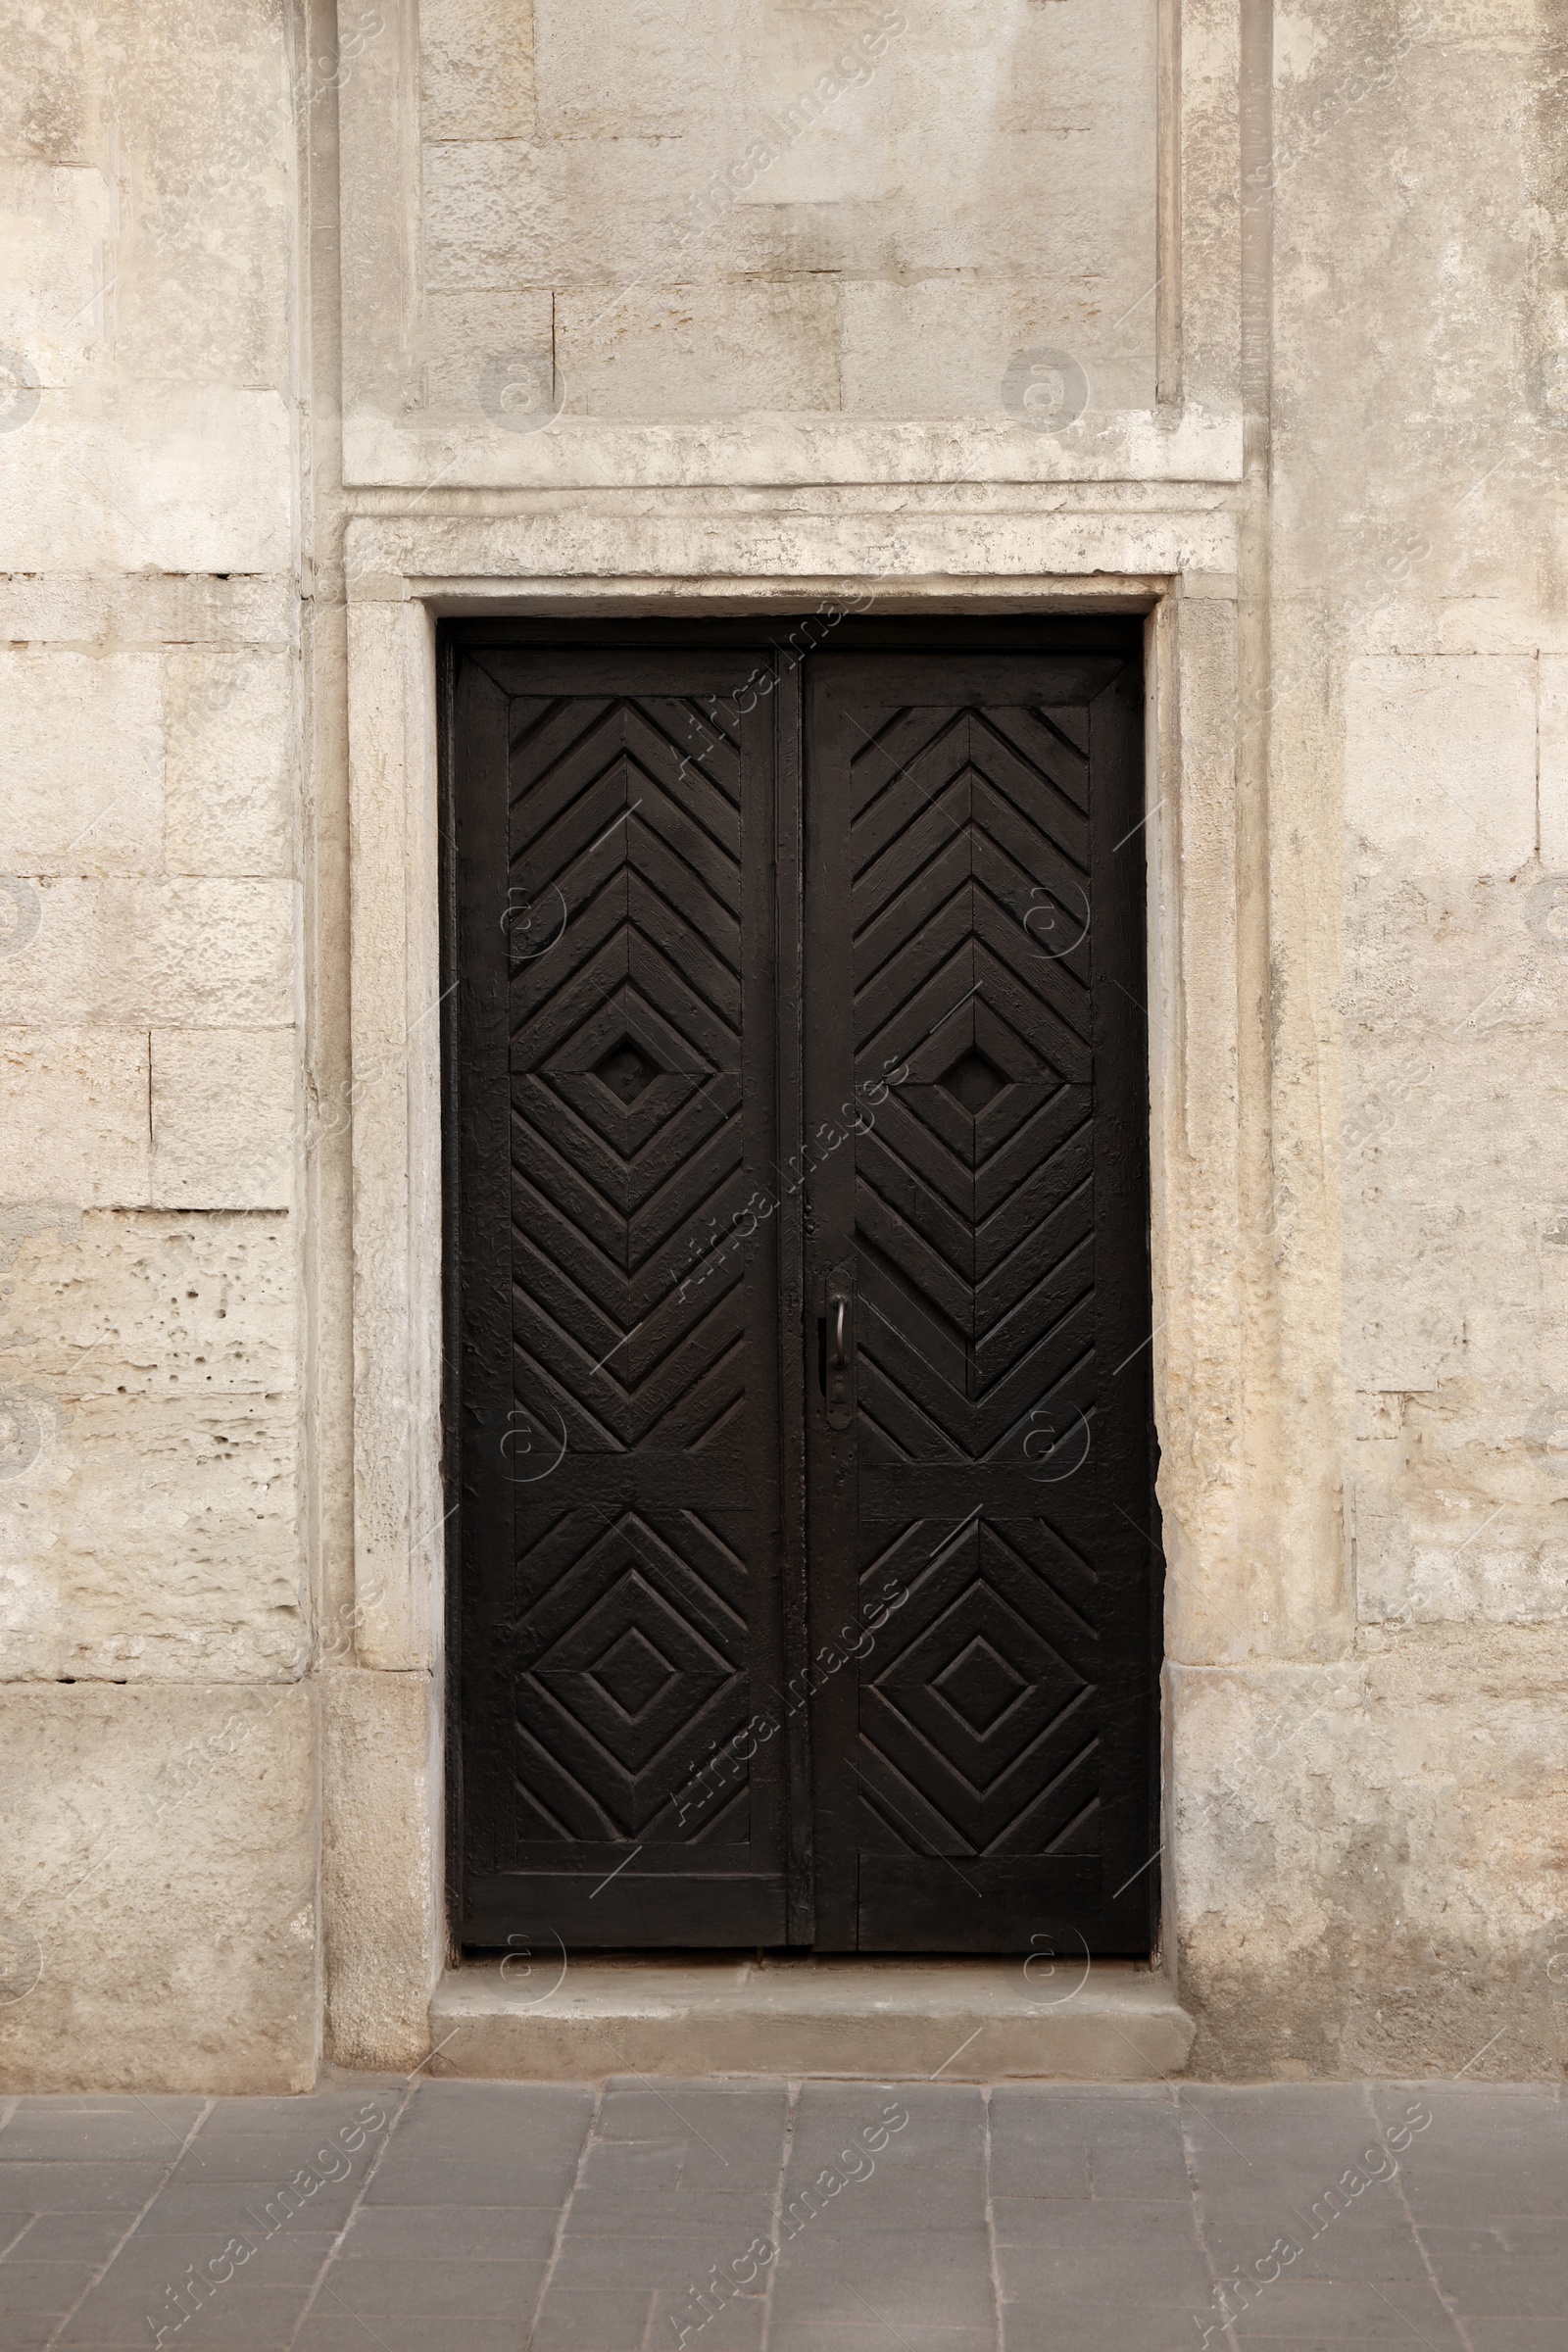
[314, 322]
[704, 210]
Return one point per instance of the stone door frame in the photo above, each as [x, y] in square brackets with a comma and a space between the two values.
[932, 551]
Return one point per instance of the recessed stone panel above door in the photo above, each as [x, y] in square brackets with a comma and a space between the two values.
[665, 240]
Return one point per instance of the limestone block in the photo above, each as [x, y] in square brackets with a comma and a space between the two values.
[1001, 134]
[399, 1510]
[149, 1304]
[216, 952]
[1438, 1223]
[161, 1849]
[699, 349]
[379, 1866]
[156, 1537]
[900, 543]
[1553, 1337]
[179, 477]
[466, 332]
[1554, 762]
[73, 1121]
[229, 776]
[1379, 1531]
[942, 346]
[477, 69]
[81, 762]
[577, 212]
[226, 1117]
[649, 163]
[1446, 958]
[45, 103]
[1366, 1858]
[1463, 1527]
[1404, 396]
[96, 608]
[1485, 1580]
[854, 240]
[53, 223]
[1439, 764]
[204, 256]
[641, 69]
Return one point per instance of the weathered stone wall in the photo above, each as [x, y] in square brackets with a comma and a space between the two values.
[859, 208]
[318, 316]
[1371, 1808]
[158, 1787]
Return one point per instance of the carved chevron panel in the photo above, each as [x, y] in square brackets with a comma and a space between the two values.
[969, 848]
[626, 1060]
[978, 1728]
[631, 1670]
[973, 1194]
[628, 1092]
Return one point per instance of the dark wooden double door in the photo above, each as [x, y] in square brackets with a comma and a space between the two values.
[803, 1552]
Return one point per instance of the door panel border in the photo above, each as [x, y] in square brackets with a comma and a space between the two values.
[752, 637]
[384, 1578]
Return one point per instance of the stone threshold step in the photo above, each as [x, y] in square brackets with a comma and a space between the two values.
[555, 2019]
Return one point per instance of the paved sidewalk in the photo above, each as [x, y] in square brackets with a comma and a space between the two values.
[757, 2216]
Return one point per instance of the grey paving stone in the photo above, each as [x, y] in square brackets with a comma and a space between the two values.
[627, 2258]
[151, 2262]
[1381, 2312]
[936, 2278]
[735, 2324]
[465, 2232]
[678, 2136]
[1049, 2142]
[415, 2181]
[70, 2102]
[1079, 2252]
[39, 2286]
[1513, 2268]
[1037, 2151]
[871, 2333]
[487, 2143]
[1107, 2321]
[687, 2212]
[257, 2319]
[1502, 2149]
[1102, 2225]
[500, 2118]
[57, 2187]
[319, 2112]
[1515, 2335]
[258, 2209]
[1372, 2240]
[197, 2208]
[63, 2237]
[46, 2129]
[275, 2155]
[592, 2320]
[427, 2287]
[29, 2330]
[1097, 2241]
[1317, 2341]
[1297, 2136]
[932, 2166]
[640, 2176]
[329, 2328]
